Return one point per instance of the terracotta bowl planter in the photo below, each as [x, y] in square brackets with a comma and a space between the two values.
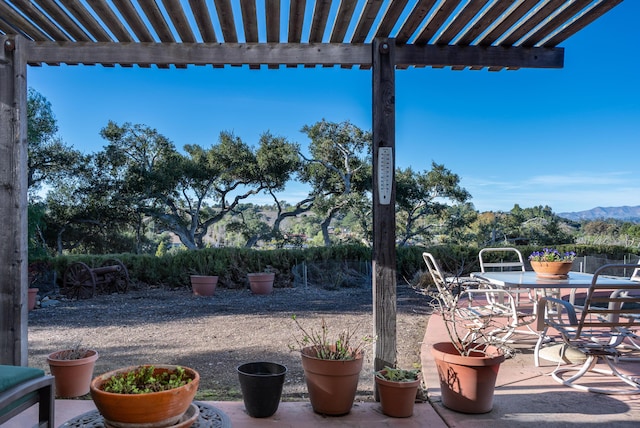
[332, 384]
[552, 270]
[204, 285]
[467, 383]
[72, 377]
[155, 409]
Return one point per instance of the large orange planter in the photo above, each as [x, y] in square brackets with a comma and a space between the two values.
[332, 384]
[552, 270]
[72, 377]
[261, 283]
[204, 285]
[155, 409]
[467, 383]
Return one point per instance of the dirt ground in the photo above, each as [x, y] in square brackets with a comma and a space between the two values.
[214, 335]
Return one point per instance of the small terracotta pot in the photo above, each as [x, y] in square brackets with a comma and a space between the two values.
[397, 398]
[72, 377]
[155, 409]
[204, 285]
[467, 383]
[261, 283]
[551, 269]
[332, 384]
[33, 297]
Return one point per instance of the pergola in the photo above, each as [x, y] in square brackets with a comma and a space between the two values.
[383, 36]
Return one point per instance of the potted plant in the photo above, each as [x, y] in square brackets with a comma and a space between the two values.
[149, 395]
[331, 367]
[550, 263]
[262, 282]
[468, 364]
[72, 369]
[397, 389]
[203, 283]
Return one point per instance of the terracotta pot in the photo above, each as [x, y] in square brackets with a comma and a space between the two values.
[155, 409]
[397, 398]
[467, 383]
[72, 377]
[33, 297]
[553, 270]
[261, 283]
[332, 384]
[204, 285]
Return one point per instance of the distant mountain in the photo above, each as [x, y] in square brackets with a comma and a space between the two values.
[599, 213]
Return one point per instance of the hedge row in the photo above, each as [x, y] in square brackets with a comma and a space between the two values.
[232, 264]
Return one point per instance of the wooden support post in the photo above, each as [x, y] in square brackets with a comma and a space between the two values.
[384, 198]
[13, 201]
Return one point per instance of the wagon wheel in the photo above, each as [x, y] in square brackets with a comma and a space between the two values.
[118, 281]
[79, 281]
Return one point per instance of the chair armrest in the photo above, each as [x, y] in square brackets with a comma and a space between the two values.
[542, 319]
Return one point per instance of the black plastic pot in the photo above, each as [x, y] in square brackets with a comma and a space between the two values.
[261, 385]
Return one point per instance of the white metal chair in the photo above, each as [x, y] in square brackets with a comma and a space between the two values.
[598, 328]
[483, 310]
[508, 259]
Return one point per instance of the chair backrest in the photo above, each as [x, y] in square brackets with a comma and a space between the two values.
[610, 305]
[439, 279]
[510, 259]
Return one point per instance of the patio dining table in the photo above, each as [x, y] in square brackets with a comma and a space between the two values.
[529, 279]
[517, 281]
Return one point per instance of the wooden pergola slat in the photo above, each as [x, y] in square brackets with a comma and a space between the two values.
[65, 22]
[41, 20]
[203, 20]
[157, 21]
[132, 17]
[179, 20]
[111, 20]
[26, 27]
[556, 22]
[225, 16]
[365, 21]
[390, 17]
[460, 21]
[486, 20]
[87, 20]
[319, 20]
[436, 21]
[413, 21]
[296, 18]
[594, 13]
[342, 21]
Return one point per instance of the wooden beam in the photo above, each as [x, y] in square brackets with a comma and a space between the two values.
[13, 201]
[479, 56]
[200, 54]
[384, 203]
[276, 54]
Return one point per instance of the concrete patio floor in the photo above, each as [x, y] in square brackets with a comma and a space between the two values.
[525, 396]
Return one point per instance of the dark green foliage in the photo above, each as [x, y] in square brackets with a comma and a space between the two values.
[231, 265]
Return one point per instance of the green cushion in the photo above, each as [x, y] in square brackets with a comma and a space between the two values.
[11, 376]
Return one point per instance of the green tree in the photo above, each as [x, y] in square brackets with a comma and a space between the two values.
[338, 169]
[49, 158]
[423, 203]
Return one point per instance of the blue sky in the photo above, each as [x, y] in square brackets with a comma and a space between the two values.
[566, 138]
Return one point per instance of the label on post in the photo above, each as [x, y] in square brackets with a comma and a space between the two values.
[385, 174]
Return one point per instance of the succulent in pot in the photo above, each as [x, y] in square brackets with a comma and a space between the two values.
[397, 389]
[156, 395]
